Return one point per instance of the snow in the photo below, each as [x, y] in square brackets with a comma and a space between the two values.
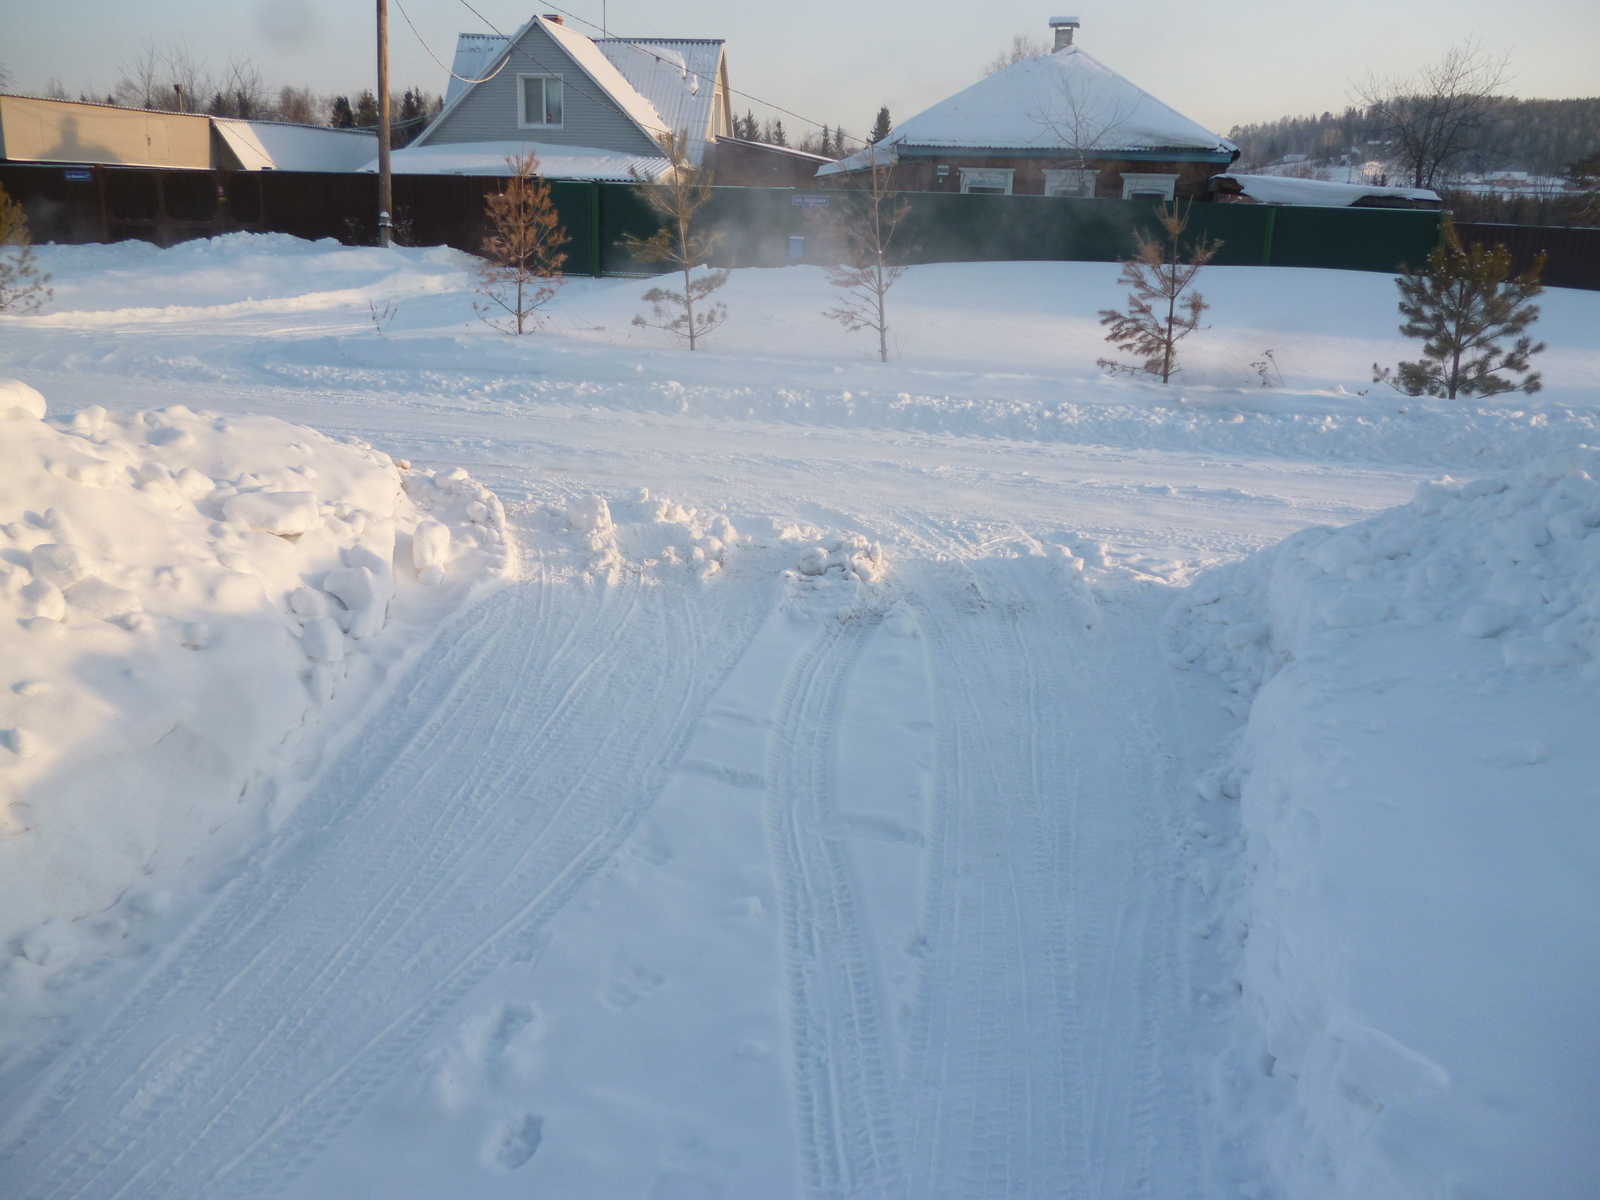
[771, 772]
[489, 158]
[1012, 110]
[1421, 690]
[282, 146]
[678, 76]
[1282, 189]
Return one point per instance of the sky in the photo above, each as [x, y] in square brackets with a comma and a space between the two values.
[836, 61]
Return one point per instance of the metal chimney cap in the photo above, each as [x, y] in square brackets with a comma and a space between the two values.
[1064, 22]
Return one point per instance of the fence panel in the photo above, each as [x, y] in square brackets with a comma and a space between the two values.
[1574, 252]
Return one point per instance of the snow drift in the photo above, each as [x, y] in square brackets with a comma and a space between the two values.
[1419, 804]
[183, 596]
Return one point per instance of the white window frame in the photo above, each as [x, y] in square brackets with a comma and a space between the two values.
[522, 101]
[977, 176]
[1071, 181]
[1147, 182]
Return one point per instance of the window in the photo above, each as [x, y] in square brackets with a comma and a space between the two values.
[1139, 185]
[1070, 183]
[986, 181]
[539, 102]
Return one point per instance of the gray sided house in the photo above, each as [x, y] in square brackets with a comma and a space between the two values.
[1056, 124]
[590, 108]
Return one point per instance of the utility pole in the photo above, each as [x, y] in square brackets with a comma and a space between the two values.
[385, 184]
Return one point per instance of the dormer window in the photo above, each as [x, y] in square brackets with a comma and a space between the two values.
[539, 101]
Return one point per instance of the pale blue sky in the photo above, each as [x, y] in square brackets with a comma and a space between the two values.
[1227, 62]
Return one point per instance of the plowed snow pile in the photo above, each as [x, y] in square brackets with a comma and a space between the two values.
[1422, 817]
[183, 596]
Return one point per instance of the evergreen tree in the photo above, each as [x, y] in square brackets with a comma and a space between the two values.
[342, 116]
[683, 190]
[522, 257]
[1159, 277]
[366, 110]
[1463, 304]
[776, 135]
[880, 126]
[22, 286]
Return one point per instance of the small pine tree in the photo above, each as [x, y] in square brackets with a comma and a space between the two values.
[1159, 276]
[342, 116]
[521, 268]
[1463, 304]
[22, 286]
[366, 114]
[680, 193]
[880, 126]
[775, 134]
[867, 218]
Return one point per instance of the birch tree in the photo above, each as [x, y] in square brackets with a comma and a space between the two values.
[675, 198]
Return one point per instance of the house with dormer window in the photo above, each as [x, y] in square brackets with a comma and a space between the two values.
[590, 108]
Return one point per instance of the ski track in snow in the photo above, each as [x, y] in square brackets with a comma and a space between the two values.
[1051, 972]
[446, 835]
[843, 1061]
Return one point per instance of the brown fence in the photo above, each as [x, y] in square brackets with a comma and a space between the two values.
[1573, 253]
[107, 204]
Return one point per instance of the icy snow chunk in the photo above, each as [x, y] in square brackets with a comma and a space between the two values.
[192, 485]
[41, 598]
[323, 640]
[308, 602]
[356, 587]
[1487, 620]
[97, 598]
[88, 421]
[1353, 610]
[430, 545]
[1339, 553]
[286, 514]
[61, 563]
[18, 401]
[590, 514]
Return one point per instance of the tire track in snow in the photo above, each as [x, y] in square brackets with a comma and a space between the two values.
[1051, 994]
[846, 1095]
[504, 774]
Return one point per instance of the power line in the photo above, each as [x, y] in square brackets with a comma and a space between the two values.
[439, 60]
[667, 61]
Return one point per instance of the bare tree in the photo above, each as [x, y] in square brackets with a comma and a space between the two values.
[867, 220]
[298, 105]
[680, 193]
[1084, 122]
[22, 286]
[521, 268]
[1436, 119]
[1160, 274]
[242, 92]
[1023, 45]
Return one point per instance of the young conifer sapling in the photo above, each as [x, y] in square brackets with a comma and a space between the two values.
[22, 285]
[681, 192]
[1162, 310]
[1463, 304]
[867, 218]
[520, 271]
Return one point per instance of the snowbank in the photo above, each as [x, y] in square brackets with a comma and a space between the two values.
[183, 596]
[1417, 791]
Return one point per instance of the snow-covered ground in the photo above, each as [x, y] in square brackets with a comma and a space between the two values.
[793, 775]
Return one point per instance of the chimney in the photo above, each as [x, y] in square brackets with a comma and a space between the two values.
[555, 19]
[1063, 27]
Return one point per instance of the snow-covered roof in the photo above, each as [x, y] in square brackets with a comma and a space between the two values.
[581, 50]
[555, 162]
[280, 146]
[475, 57]
[1280, 189]
[678, 76]
[1067, 100]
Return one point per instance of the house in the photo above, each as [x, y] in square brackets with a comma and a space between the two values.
[591, 108]
[1056, 124]
[37, 130]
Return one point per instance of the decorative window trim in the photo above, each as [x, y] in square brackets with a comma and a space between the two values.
[1071, 181]
[1149, 183]
[522, 101]
[987, 178]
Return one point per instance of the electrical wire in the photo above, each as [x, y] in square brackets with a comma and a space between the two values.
[662, 59]
[439, 60]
